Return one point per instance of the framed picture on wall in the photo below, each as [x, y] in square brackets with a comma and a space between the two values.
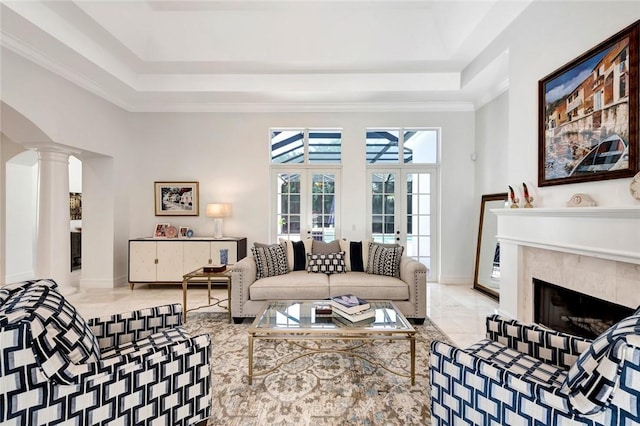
[176, 198]
[588, 114]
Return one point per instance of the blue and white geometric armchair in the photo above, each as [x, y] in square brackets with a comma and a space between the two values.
[524, 374]
[138, 368]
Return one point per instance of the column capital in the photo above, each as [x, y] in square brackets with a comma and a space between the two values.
[52, 147]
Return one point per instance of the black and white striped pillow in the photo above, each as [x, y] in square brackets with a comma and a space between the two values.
[332, 263]
[270, 260]
[384, 260]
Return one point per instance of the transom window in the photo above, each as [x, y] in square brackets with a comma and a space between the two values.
[306, 146]
[418, 146]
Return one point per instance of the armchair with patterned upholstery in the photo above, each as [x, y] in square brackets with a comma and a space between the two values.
[525, 374]
[137, 368]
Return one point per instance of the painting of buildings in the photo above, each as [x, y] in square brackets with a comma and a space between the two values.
[586, 122]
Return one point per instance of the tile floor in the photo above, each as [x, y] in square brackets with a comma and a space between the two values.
[457, 309]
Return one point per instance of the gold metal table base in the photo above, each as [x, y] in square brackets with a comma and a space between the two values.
[364, 340]
[199, 276]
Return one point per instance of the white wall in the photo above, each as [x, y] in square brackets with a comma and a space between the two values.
[543, 38]
[228, 154]
[75, 118]
[21, 181]
[492, 146]
[124, 153]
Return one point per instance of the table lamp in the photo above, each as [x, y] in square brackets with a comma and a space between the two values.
[218, 211]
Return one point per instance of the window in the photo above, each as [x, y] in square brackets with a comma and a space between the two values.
[403, 190]
[418, 146]
[306, 146]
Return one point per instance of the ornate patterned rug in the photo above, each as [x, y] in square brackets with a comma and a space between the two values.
[320, 389]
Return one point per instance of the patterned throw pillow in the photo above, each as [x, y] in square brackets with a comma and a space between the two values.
[270, 260]
[596, 373]
[384, 260]
[297, 253]
[332, 263]
[62, 339]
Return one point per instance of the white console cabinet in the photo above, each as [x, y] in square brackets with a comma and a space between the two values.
[166, 261]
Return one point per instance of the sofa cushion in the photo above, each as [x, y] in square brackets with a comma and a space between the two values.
[518, 363]
[62, 339]
[320, 247]
[595, 375]
[368, 286]
[332, 263]
[296, 285]
[270, 260]
[384, 260]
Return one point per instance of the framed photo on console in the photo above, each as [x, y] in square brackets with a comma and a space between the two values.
[588, 114]
[176, 198]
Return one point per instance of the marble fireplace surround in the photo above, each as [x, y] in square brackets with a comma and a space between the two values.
[592, 250]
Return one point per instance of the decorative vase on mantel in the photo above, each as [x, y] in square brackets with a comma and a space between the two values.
[528, 199]
[514, 200]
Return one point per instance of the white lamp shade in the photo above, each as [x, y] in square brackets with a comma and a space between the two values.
[218, 210]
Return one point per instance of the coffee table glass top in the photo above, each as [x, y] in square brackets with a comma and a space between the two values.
[289, 316]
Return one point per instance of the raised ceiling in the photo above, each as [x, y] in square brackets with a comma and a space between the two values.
[269, 55]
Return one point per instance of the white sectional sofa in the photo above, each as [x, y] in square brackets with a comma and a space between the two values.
[391, 276]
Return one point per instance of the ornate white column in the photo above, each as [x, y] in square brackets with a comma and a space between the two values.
[53, 246]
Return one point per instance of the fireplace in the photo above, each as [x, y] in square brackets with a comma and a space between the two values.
[590, 250]
[572, 312]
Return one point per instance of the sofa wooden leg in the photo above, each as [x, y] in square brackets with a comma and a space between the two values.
[238, 320]
[418, 321]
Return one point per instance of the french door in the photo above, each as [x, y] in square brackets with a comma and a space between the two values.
[402, 209]
[307, 203]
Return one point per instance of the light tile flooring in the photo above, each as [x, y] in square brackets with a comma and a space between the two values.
[458, 310]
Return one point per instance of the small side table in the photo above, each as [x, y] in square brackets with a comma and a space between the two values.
[199, 276]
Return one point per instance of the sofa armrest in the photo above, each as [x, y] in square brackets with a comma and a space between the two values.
[554, 347]
[114, 330]
[414, 274]
[457, 374]
[243, 274]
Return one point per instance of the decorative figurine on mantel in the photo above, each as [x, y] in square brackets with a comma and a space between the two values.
[514, 199]
[528, 200]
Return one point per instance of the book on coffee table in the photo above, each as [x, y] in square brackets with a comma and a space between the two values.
[360, 316]
[349, 303]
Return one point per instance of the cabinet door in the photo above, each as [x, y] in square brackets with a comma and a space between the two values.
[170, 265]
[142, 261]
[216, 246]
[196, 255]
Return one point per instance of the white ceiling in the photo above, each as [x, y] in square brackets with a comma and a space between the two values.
[268, 55]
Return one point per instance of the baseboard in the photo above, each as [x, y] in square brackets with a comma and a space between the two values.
[95, 283]
[22, 276]
[456, 279]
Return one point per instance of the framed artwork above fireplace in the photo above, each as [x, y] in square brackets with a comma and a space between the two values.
[588, 114]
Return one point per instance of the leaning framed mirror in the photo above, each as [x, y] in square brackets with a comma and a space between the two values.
[487, 270]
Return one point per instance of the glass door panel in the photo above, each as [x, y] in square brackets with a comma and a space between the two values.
[383, 207]
[323, 206]
[307, 204]
[288, 212]
[410, 223]
[419, 212]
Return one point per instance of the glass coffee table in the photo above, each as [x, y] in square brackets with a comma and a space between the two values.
[296, 321]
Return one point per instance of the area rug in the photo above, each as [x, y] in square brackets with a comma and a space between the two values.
[321, 389]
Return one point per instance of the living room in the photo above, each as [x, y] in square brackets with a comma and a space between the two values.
[126, 143]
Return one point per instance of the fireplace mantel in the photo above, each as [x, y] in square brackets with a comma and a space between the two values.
[609, 233]
[593, 243]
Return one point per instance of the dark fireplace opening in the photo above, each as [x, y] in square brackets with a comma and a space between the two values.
[572, 312]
